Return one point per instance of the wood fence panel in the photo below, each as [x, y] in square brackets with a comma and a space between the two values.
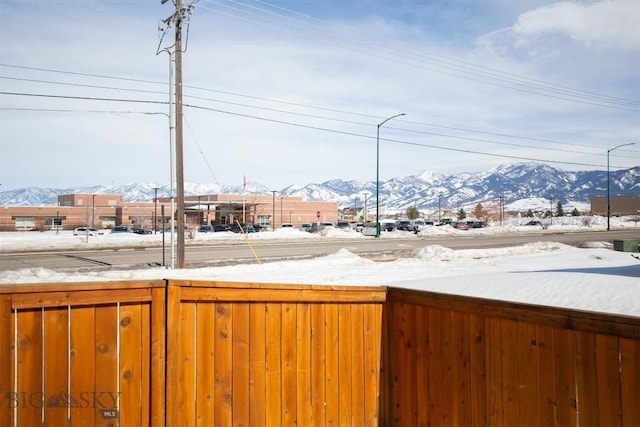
[527, 387]
[345, 386]
[318, 360]
[566, 378]
[240, 365]
[422, 373]
[447, 366]
[186, 365]
[223, 393]
[131, 365]
[546, 376]
[56, 367]
[288, 363]
[373, 362]
[461, 370]
[494, 373]
[434, 361]
[304, 399]
[478, 374]
[358, 385]
[157, 373]
[273, 364]
[83, 364]
[608, 371]
[332, 370]
[7, 354]
[205, 369]
[106, 385]
[630, 381]
[257, 356]
[509, 375]
[29, 346]
[586, 377]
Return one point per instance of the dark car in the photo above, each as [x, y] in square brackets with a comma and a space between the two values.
[141, 231]
[344, 225]
[206, 229]
[246, 228]
[221, 227]
[460, 225]
[122, 229]
[404, 225]
[534, 223]
[475, 224]
[387, 226]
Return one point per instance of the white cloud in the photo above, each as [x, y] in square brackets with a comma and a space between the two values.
[613, 24]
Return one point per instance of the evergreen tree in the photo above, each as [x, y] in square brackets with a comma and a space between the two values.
[462, 214]
[559, 211]
[575, 212]
[529, 214]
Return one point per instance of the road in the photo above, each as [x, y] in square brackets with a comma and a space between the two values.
[233, 252]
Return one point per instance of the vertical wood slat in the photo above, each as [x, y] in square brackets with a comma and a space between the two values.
[509, 367]
[7, 354]
[478, 374]
[586, 377]
[358, 385]
[318, 360]
[303, 365]
[345, 385]
[565, 380]
[288, 363]
[630, 379]
[56, 352]
[223, 330]
[157, 373]
[332, 363]
[257, 358]
[83, 363]
[29, 379]
[205, 371]
[240, 365]
[131, 364]
[106, 333]
[608, 372]
[273, 321]
[527, 374]
[546, 376]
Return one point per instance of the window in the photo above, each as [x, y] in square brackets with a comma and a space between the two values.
[25, 223]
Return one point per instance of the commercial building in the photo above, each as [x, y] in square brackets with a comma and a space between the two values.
[620, 205]
[109, 210]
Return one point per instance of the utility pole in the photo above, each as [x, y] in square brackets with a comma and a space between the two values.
[177, 18]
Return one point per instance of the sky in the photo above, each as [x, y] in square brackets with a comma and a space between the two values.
[593, 278]
[287, 93]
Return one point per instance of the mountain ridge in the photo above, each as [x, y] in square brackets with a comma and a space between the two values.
[521, 184]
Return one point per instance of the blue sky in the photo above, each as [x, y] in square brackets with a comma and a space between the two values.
[289, 93]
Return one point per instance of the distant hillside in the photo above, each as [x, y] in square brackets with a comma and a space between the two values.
[522, 186]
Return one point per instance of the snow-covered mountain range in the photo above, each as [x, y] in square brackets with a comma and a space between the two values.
[521, 186]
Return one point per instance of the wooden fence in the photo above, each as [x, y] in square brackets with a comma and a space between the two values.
[166, 353]
[458, 361]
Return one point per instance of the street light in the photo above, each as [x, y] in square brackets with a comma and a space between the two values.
[378, 172]
[608, 188]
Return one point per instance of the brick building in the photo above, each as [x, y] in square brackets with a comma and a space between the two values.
[108, 210]
[620, 205]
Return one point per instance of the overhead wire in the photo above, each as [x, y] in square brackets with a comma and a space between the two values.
[470, 71]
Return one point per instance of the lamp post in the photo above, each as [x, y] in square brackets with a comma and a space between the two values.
[439, 208]
[608, 188]
[378, 172]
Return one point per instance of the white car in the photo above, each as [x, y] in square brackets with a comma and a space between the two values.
[92, 231]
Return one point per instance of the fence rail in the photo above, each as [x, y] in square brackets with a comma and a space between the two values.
[181, 352]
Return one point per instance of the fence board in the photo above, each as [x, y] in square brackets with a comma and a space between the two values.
[372, 362]
[423, 393]
[434, 361]
[131, 364]
[345, 385]
[257, 347]
[30, 347]
[527, 391]
[318, 360]
[608, 371]
[223, 413]
[358, 387]
[630, 381]
[288, 361]
[56, 368]
[565, 378]
[83, 363]
[478, 374]
[205, 356]
[461, 374]
[509, 375]
[586, 377]
[303, 365]
[157, 373]
[7, 354]
[273, 324]
[332, 370]
[240, 365]
[106, 385]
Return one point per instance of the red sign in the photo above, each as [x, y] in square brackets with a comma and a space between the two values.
[318, 214]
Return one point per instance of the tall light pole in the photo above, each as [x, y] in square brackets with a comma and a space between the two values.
[608, 188]
[378, 172]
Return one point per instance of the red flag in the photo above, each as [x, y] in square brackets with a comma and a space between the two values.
[244, 182]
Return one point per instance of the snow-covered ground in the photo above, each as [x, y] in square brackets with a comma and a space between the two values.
[544, 273]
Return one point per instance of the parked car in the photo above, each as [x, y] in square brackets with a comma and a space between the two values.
[343, 225]
[475, 224]
[418, 224]
[221, 227]
[359, 226]
[122, 229]
[92, 231]
[206, 229]
[306, 227]
[404, 225]
[246, 228]
[460, 225]
[534, 223]
[286, 225]
[138, 230]
[387, 226]
[320, 226]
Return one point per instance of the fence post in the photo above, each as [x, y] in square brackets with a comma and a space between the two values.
[6, 353]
